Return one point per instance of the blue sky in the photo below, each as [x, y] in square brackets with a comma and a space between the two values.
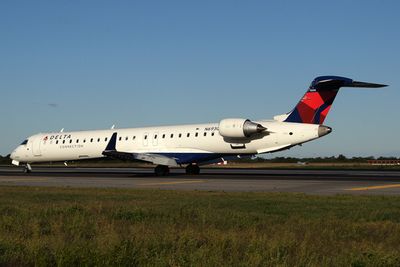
[91, 64]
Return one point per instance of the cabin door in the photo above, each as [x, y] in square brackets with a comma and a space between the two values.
[36, 146]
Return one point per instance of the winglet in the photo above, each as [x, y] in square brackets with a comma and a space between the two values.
[113, 141]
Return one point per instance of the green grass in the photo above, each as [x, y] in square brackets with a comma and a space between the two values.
[103, 227]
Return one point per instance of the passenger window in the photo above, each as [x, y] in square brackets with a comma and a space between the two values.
[77, 141]
[63, 141]
[180, 135]
[188, 135]
[105, 139]
[126, 138]
[155, 137]
[172, 135]
[197, 134]
[98, 139]
[57, 142]
[120, 138]
[145, 137]
[84, 140]
[212, 134]
[91, 140]
[163, 136]
[205, 134]
[70, 141]
[134, 138]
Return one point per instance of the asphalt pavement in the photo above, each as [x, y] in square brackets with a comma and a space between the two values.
[212, 179]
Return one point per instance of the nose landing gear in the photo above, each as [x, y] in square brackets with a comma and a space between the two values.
[27, 168]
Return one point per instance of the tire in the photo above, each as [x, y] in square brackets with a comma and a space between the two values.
[161, 170]
[192, 169]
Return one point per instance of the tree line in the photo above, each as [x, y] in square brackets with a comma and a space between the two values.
[332, 159]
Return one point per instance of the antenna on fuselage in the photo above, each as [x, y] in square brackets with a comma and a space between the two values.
[112, 127]
[62, 130]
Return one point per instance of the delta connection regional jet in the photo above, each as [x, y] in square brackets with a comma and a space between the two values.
[196, 144]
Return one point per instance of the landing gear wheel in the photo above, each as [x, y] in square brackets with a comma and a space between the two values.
[161, 170]
[192, 169]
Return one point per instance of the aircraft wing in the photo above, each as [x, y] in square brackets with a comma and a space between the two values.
[153, 158]
[157, 159]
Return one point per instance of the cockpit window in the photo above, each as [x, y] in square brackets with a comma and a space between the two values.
[24, 142]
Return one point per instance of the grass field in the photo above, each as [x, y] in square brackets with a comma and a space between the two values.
[103, 227]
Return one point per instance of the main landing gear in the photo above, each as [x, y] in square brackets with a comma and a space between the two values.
[162, 170]
[192, 169]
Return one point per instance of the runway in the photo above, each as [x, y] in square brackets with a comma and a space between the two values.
[325, 182]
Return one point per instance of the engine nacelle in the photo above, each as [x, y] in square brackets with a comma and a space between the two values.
[239, 128]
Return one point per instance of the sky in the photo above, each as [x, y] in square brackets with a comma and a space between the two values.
[93, 64]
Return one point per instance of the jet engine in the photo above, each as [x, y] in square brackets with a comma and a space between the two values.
[239, 128]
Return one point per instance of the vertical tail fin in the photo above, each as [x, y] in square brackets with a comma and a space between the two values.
[314, 106]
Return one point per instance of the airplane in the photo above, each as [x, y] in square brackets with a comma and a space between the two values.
[193, 145]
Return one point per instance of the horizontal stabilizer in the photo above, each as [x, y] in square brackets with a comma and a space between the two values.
[366, 85]
[323, 83]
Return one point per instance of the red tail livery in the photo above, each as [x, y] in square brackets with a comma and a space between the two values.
[317, 101]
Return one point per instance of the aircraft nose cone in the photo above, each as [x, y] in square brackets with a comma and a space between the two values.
[324, 130]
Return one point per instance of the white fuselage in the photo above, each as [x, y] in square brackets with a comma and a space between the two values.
[194, 143]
